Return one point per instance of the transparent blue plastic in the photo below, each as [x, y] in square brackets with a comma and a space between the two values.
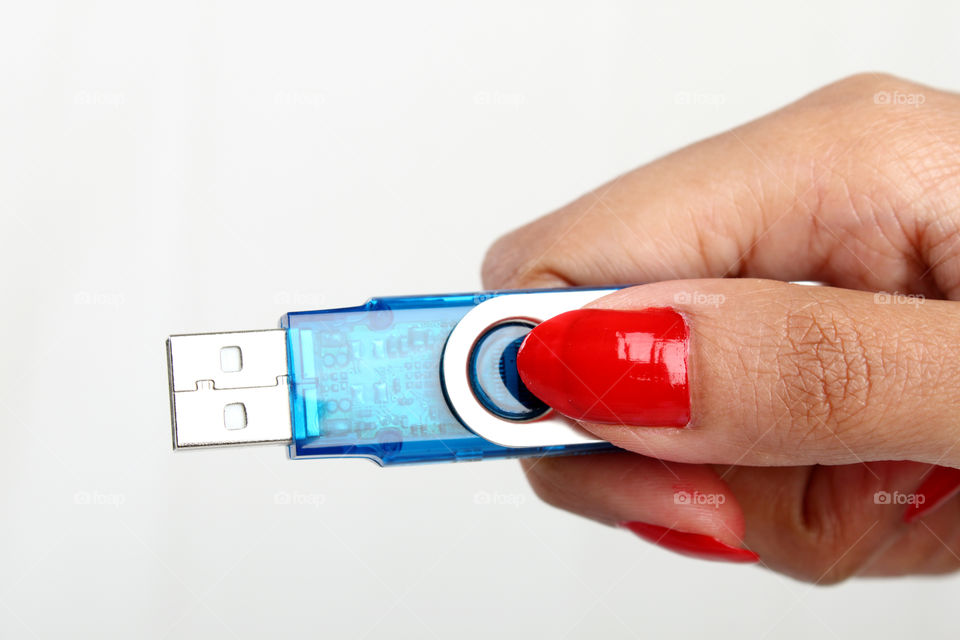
[365, 382]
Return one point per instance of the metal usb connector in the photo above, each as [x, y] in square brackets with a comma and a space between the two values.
[229, 388]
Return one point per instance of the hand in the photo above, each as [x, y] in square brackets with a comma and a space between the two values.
[810, 415]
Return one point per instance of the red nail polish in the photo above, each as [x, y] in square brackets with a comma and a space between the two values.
[942, 484]
[691, 544]
[613, 367]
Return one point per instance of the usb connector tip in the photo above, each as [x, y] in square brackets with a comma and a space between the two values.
[229, 388]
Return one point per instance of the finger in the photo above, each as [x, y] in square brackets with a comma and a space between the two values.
[683, 507]
[834, 187]
[930, 545]
[759, 372]
[826, 524]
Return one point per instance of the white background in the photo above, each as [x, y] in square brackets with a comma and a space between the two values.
[200, 166]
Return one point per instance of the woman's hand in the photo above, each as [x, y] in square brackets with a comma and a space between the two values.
[812, 414]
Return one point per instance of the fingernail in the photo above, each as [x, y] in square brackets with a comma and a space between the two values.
[690, 544]
[613, 367]
[942, 484]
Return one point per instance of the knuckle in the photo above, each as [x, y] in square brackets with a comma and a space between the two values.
[497, 263]
[835, 537]
[836, 552]
[859, 125]
[823, 558]
[516, 261]
[824, 370]
[866, 82]
[862, 87]
[857, 109]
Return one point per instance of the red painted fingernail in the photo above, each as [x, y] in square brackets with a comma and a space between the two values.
[942, 484]
[691, 544]
[614, 367]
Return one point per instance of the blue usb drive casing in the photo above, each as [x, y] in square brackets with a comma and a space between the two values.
[366, 381]
[397, 380]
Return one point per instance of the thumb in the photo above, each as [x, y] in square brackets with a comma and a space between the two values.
[756, 372]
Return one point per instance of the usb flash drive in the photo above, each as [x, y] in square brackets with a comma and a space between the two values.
[397, 380]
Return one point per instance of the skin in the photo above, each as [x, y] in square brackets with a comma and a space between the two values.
[806, 401]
